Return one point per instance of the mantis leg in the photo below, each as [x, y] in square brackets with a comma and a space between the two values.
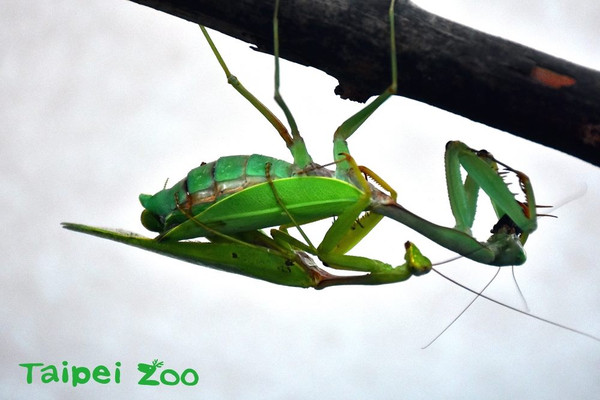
[348, 229]
[378, 272]
[517, 220]
[351, 227]
[345, 232]
[297, 147]
[294, 142]
[350, 126]
[482, 169]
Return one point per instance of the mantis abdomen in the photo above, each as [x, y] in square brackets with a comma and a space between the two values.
[206, 184]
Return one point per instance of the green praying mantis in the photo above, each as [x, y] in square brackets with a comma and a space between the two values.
[229, 201]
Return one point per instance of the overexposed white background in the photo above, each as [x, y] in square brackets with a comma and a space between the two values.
[103, 100]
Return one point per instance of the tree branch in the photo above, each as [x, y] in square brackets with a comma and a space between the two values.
[484, 78]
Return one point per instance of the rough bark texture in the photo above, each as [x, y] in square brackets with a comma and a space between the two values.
[484, 78]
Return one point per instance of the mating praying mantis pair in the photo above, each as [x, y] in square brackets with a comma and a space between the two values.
[230, 200]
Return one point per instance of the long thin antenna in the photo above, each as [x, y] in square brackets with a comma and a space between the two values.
[463, 311]
[523, 299]
[596, 338]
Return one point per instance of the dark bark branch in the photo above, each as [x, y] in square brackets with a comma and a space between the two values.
[484, 78]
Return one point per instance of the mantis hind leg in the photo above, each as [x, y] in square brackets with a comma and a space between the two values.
[294, 142]
[297, 146]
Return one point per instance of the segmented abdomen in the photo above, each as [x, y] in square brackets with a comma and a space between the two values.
[209, 182]
[230, 174]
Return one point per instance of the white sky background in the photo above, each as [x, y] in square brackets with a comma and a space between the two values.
[103, 100]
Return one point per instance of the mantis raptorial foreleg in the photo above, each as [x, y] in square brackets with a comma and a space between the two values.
[482, 169]
[516, 220]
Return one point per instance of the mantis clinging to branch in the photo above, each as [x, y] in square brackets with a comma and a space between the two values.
[230, 200]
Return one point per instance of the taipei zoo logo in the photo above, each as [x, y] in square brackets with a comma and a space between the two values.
[152, 374]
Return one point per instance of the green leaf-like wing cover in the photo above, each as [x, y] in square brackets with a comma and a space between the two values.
[307, 198]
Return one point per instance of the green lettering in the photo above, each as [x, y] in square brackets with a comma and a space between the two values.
[118, 372]
[65, 372]
[79, 375]
[194, 380]
[101, 374]
[29, 367]
[51, 376]
[148, 371]
[163, 377]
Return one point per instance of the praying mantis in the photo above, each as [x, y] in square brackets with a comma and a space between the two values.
[229, 202]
